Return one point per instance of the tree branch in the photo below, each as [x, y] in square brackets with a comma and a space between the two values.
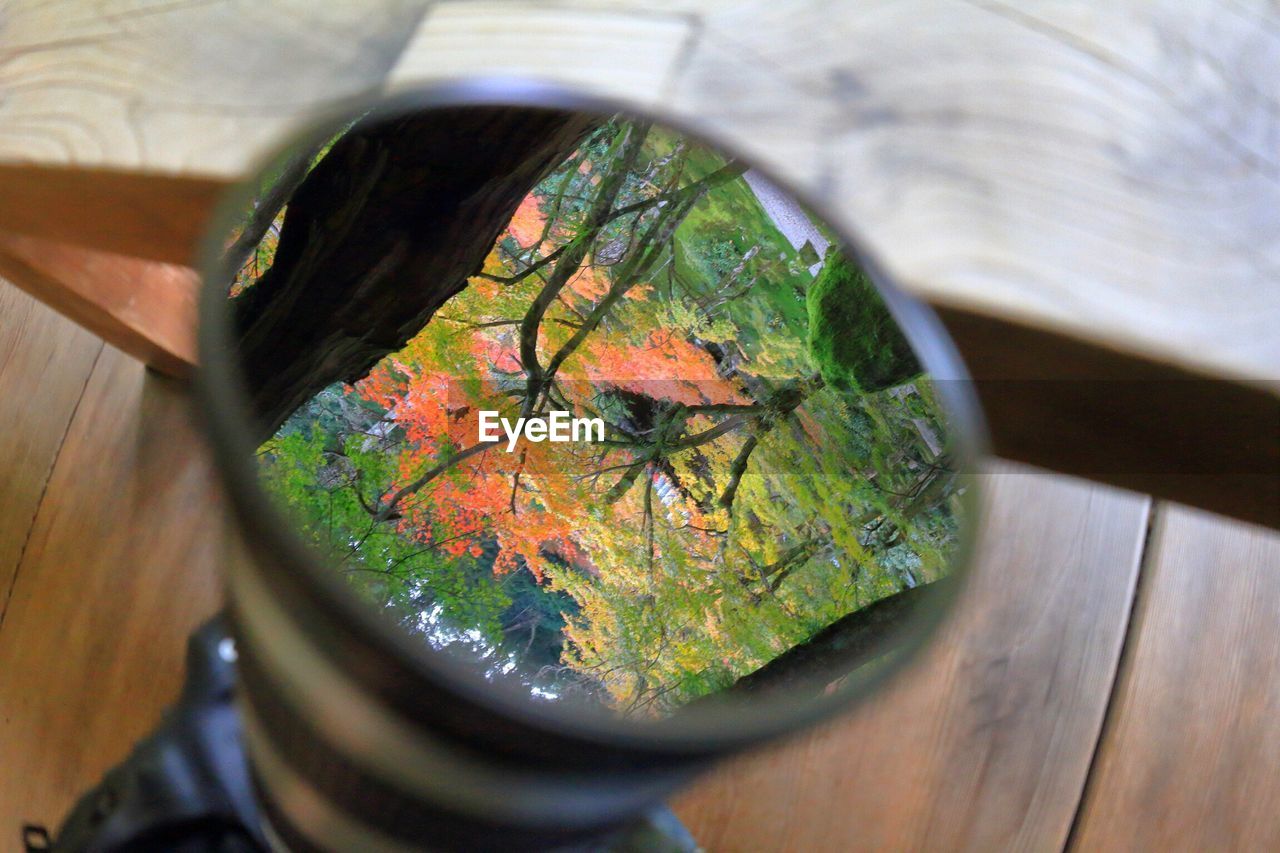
[574, 252]
[737, 469]
[843, 646]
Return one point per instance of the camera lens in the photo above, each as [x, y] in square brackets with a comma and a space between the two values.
[572, 450]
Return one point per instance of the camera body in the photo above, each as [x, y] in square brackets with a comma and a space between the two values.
[188, 788]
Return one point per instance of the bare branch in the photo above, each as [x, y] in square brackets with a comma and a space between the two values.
[736, 470]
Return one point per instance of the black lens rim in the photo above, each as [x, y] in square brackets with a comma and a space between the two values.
[407, 673]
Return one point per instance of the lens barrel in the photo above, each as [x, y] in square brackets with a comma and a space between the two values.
[361, 737]
[352, 749]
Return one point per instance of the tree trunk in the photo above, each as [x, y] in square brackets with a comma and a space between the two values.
[841, 647]
[383, 231]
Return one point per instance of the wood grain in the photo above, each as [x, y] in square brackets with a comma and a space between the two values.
[578, 44]
[1102, 171]
[985, 743]
[120, 567]
[144, 308]
[45, 361]
[1192, 742]
[196, 89]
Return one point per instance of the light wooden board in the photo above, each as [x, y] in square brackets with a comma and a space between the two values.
[626, 55]
[985, 743]
[45, 361]
[122, 121]
[196, 89]
[1103, 170]
[119, 568]
[1189, 756]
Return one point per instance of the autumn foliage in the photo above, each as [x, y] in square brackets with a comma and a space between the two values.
[738, 505]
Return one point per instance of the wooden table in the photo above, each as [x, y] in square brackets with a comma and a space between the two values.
[1086, 192]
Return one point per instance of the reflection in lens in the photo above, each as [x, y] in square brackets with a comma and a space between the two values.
[589, 406]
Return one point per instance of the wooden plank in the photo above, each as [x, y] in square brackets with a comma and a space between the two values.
[1103, 172]
[121, 566]
[193, 89]
[159, 106]
[546, 41]
[1068, 405]
[1193, 740]
[45, 361]
[985, 743]
[146, 309]
[156, 217]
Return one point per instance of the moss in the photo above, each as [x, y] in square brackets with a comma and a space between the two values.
[854, 341]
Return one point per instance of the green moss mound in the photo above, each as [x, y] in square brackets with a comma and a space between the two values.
[854, 341]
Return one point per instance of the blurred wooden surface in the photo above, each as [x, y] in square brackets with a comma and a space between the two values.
[145, 308]
[1194, 734]
[116, 557]
[147, 216]
[1103, 170]
[985, 744]
[44, 358]
[988, 743]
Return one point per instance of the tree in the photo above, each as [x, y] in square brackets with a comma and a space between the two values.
[856, 343]
[387, 226]
[739, 503]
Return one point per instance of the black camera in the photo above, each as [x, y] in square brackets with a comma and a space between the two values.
[570, 452]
